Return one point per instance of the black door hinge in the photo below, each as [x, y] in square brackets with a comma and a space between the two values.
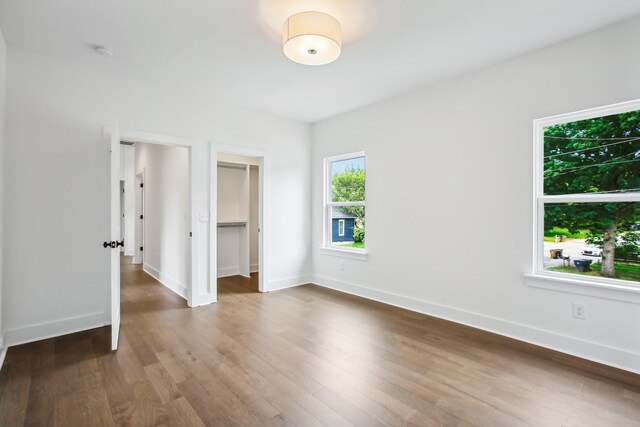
[141, 216]
[141, 185]
[141, 249]
[190, 234]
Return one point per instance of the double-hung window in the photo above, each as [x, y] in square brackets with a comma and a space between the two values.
[587, 195]
[344, 207]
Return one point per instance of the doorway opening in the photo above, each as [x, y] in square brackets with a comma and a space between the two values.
[195, 220]
[239, 205]
[156, 214]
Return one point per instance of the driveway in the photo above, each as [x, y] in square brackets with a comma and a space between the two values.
[572, 248]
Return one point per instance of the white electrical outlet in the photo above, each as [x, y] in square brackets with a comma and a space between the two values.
[579, 311]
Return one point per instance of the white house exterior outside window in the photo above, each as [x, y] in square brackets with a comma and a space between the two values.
[344, 203]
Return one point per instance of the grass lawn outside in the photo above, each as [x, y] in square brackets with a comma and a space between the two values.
[552, 239]
[359, 245]
[624, 271]
[549, 239]
[556, 231]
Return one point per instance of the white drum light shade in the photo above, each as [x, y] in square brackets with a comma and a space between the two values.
[312, 38]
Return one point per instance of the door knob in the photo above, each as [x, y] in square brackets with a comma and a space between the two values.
[111, 244]
[120, 243]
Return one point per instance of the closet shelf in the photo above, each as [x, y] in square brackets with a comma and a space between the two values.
[232, 224]
[229, 165]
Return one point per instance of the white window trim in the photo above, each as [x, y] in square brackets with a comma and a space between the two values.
[360, 255]
[553, 279]
[341, 225]
[327, 249]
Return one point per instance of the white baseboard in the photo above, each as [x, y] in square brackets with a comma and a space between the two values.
[173, 285]
[597, 352]
[205, 299]
[3, 355]
[229, 271]
[52, 329]
[129, 252]
[291, 282]
[254, 268]
[3, 351]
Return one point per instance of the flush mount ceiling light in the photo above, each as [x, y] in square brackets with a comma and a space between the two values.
[312, 38]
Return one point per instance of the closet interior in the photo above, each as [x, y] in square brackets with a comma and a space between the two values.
[238, 205]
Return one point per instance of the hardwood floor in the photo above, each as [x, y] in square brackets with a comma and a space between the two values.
[306, 356]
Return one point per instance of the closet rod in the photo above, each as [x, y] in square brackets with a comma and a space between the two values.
[231, 224]
[232, 166]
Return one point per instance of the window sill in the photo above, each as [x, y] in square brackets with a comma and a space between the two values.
[563, 283]
[361, 255]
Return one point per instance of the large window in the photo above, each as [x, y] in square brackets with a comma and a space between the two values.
[345, 202]
[588, 195]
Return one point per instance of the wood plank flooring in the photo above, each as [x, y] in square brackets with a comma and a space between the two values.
[306, 356]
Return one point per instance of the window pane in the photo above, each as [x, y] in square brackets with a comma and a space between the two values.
[600, 155]
[593, 239]
[347, 226]
[348, 180]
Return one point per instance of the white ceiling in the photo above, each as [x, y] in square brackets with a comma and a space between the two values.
[231, 49]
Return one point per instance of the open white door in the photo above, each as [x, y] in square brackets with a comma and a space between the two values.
[115, 236]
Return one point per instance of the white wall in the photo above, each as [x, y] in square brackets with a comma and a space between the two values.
[453, 164]
[3, 87]
[231, 204]
[167, 222]
[57, 271]
[229, 251]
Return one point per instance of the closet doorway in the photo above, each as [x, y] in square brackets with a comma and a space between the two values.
[238, 213]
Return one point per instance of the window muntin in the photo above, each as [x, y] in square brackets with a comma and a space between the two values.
[345, 178]
[588, 194]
